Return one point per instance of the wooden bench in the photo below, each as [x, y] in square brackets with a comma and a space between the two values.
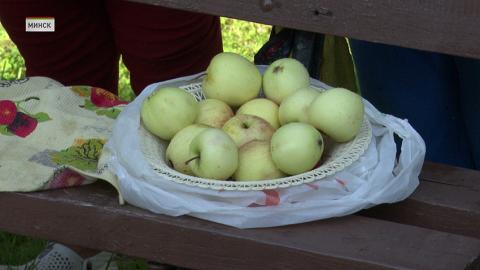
[438, 227]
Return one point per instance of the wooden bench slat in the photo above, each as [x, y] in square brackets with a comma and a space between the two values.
[448, 199]
[450, 196]
[451, 175]
[89, 216]
[445, 26]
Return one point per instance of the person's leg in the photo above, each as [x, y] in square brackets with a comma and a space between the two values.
[157, 43]
[80, 51]
[421, 87]
[469, 75]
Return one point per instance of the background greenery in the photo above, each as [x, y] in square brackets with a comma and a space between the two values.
[240, 37]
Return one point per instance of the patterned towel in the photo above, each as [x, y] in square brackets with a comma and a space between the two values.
[51, 136]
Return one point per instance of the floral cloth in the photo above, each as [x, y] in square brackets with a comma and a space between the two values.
[52, 136]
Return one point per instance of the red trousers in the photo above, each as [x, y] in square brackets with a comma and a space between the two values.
[156, 43]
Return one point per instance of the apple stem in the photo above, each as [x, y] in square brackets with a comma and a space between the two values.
[188, 161]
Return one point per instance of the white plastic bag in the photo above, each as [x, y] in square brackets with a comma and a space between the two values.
[376, 177]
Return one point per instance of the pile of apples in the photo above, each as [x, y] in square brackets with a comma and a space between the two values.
[235, 134]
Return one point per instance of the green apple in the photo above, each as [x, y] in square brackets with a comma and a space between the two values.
[232, 79]
[255, 162]
[283, 77]
[168, 110]
[296, 148]
[213, 113]
[263, 108]
[294, 107]
[244, 128]
[214, 155]
[178, 149]
[338, 113]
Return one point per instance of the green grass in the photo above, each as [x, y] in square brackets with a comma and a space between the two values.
[16, 249]
[241, 37]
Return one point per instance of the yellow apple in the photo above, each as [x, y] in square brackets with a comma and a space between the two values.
[296, 148]
[232, 79]
[294, 107]
[213, 113]
[255, 162]
[338, 113]
[244, 128]
[283, 77]
[168, 110]
[263, 108]
[178, 150]
[214, 155]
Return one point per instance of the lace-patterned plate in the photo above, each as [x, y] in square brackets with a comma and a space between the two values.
[336, 156]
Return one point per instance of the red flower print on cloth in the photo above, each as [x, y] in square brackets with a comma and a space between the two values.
[105, 99]
[66, 178]
[100, 101]
[15, 120]
[8, 111]
[23, 125]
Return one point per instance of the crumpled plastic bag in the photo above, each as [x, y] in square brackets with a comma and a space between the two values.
[377, 177]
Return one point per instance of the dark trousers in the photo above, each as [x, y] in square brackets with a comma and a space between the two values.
[438, 94]
[156, 43]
